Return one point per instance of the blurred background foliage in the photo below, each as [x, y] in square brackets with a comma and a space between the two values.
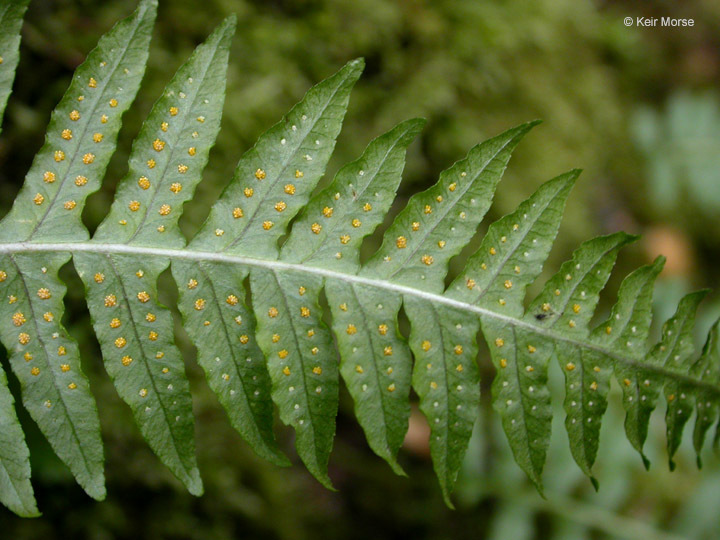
[637, 108]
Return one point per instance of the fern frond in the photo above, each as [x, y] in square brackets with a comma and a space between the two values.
[79, 143]
[135, 332]
[280, 350]
[15, 489]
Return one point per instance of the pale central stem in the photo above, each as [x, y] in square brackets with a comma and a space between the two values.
[185, 254]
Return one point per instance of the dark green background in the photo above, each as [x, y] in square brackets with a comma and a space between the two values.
[635, 107]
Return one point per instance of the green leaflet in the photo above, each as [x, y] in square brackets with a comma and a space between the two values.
[437, 223]
[212, 295]
[275, 178]
[707, 367]
[568, 304]
[375, 363]
[510, 257]
[331, 227]
[171, 150]
[272, 182]
[135, 332]
[301, 361]
[11, 18]
[281, 350]
[136, 338]
[447, 380]
[675, 352]
[416, 249]
[46, 361]
[520, 393]
[329, 233]
[81, 136]
[16, 492]
[626, 330]
[79, 144]
[221, 325]
[434, 227]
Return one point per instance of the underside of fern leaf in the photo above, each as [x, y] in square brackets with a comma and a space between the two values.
[273, 229]
[80, 141]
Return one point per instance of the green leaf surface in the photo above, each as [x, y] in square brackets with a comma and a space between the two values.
[568, 305]
[447, 380]
[512, 253]
[270, 229]
[675, 351]
[437, 223]
[140, 355]
[708, 368]
[626, 331]
[46, 361]
[221, 325]
[520, 392]
[301, 361]
[16, 492]
[274, 179]
[11, 19]
[329, 233]
[171, 150]
[80, 141]
[82, 135]
[380, 385]
[510, 257]
[331, 227]
[375, 362]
